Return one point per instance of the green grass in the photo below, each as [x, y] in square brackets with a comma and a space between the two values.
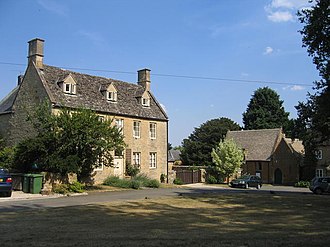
[243, 219]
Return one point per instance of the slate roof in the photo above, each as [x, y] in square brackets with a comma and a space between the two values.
[258, 144]
[6, 103]
[89, 94]
[296, 145]
[174, 155]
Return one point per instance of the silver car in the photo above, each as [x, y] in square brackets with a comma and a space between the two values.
[320, 185]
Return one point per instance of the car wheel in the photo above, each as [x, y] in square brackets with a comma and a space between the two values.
[9, 194]
[246, 186]
[318, 191]
[258, 186]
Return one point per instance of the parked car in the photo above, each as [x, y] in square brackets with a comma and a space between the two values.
[320, 185]
[5, 182]
[247, 181]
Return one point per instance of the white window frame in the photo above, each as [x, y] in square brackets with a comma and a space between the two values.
[152, 160]
[120, 125]
[111, 96]
[137, 159]
[137, 129]
[145, 101]
[71, 88]
[319, 173]
[152, 130]
[101, 118]
[100, 166]
[318, 154]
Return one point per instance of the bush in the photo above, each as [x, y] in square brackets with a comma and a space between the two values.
[304, 184]
[132, 170]
[162, 178]
[75, 187]
[134, 183]
[178, 181]
[211, 180]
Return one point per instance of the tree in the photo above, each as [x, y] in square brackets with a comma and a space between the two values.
[71, 141]
[197, 147]
[265, 111]
[313, 122]
[6, 154]
[314, 115]
[227, 158]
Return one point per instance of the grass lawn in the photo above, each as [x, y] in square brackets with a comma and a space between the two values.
[243, 219]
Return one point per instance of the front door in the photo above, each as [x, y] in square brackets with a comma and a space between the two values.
[278, 176]
[119, 167]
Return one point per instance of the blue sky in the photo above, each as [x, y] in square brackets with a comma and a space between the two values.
[255, 41]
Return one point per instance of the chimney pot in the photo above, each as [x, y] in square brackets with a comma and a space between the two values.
[144, 78]
[36, 52]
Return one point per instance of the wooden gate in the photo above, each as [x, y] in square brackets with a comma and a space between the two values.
[189, 176]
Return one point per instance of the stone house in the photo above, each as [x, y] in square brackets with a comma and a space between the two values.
[132, 107]
[270, 155]
[322, 154]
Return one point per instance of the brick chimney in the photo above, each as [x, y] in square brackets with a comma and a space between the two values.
[144, 78]
[36, 52]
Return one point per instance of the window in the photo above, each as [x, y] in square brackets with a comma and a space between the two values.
[318, 154]
[101, 118]
[153, 160]
[152, 130]
[319, 173]
[136, 129]
[100, 165]
[137, 159]
[112, 96]
[120, 125]
[69, 88]
[145, 102]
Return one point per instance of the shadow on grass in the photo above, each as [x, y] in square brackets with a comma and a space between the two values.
[245, 219]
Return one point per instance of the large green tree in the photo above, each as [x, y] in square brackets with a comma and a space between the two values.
[313, 122]
[227, 158]
[70, 141]
[197, 147]
[314, 115]
[265, 111]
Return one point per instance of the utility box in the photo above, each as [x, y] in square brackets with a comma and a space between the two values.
[35, 181]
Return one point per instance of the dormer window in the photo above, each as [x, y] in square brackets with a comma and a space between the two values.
[145, 99]
[69, 85]
[109, 92]
[145, 102]
[69, 88]
[112, 96]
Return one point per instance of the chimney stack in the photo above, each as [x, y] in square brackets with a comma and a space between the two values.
[36, 52]
[144, 78]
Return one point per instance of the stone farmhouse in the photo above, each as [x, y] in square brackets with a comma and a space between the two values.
[132, 107]
[268, 154]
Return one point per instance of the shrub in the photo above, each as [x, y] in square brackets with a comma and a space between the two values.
[132, 170]
[134, 183]
[75, 187]
[211, 180]
[178, 181]
[162, 178]
[302, 184]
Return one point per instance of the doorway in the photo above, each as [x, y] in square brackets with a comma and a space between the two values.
[278, 176]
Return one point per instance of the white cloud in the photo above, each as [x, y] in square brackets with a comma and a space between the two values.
[294, 88]
[96, 38]
[268, 50]
[280, 16]
[284, 10]
[297, 88]
[55, 7]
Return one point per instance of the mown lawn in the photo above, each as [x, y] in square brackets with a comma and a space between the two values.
[242, 219]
